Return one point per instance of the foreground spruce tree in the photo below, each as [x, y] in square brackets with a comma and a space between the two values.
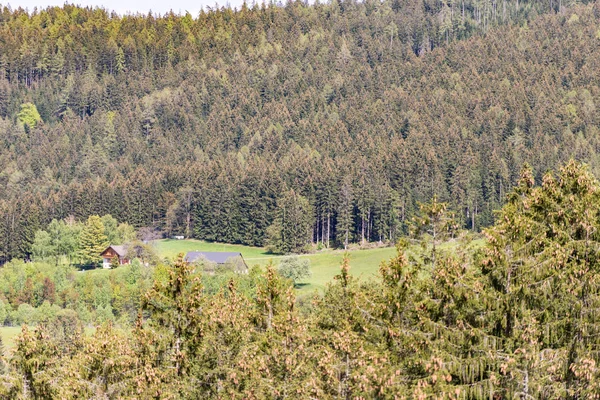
[170, 340]
[541, 266]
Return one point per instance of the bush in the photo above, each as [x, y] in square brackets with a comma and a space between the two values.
[294, 268]
[25, 314]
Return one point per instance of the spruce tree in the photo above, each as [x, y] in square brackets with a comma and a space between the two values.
[174, 330]
[92, 240]
[540, 267]
[291, 231]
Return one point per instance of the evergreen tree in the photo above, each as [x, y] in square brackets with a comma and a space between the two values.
[33, 360]
[291, 231]
[92, 240]
[345, 214]
[175, 327]
[540, 267]
[435, 225]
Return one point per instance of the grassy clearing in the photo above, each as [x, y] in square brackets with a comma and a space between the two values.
[8, 334]
[169, 248]
[324, 264]
[363, 264]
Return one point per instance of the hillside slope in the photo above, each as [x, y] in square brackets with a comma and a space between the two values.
[349, 113]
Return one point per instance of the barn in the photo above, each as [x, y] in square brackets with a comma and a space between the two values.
[218, 258]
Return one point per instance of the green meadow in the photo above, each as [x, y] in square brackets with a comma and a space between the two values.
[8, 334]
[325, 264]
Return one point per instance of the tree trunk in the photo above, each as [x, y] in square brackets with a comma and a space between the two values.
[328, 227]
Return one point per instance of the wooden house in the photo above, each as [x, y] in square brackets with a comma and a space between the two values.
[112, 251]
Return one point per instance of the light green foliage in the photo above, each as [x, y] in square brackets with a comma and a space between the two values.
[135, 272]
[114, 262]
[92, 240]
[294, 268]
[101, 289]
[42, 245]
[110, 229]
[125, 233]
[29, 115]
[65, 237]
[116, 233]
[83, 312]
[104, 314]
[59, 240]
[24, 314]
[62, 238]
[3, 313]
[45, 313]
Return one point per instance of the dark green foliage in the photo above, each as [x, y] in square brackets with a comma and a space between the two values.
[199, 126]
[291, 229]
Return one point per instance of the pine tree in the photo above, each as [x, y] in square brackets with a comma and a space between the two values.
[540, 265]
[345, 325]
[34, 357]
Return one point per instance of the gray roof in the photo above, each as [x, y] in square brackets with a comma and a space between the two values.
[120, 250]
[217, 257]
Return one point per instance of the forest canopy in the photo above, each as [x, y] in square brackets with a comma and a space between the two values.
[349, 113]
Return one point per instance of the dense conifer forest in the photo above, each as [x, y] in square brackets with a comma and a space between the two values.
[289, 125]
[296, 127]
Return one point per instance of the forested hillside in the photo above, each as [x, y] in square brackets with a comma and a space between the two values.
[324, 123]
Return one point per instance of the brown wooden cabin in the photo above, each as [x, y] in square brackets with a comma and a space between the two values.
[112, 251]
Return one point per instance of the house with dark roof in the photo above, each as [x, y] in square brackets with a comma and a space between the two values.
[217, 258]
[112, 251]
